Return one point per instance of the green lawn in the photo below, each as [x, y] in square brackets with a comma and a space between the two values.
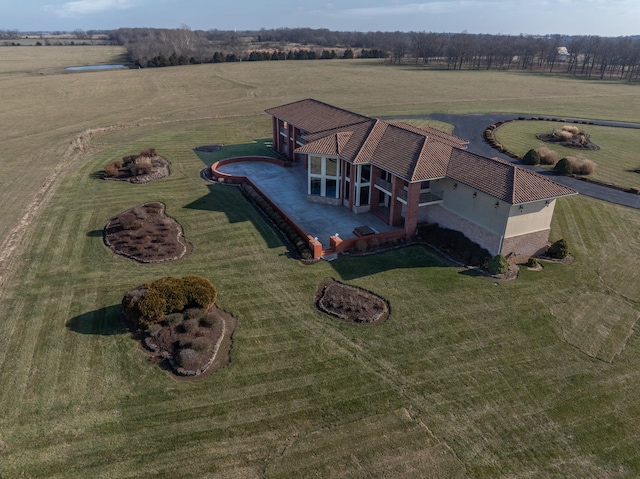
[615, 161]
[536, 377]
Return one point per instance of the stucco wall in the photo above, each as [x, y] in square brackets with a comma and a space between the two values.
[481, 209]
[531, 218]
[448, 219]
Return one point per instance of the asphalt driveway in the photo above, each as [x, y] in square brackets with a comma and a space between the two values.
[471, 127]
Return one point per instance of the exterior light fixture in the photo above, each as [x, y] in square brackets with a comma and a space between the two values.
[455, 185]
[496, 204]
[475, 193]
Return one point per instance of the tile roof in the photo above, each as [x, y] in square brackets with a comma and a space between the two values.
[314, 116]
[412, 153]
[502, 179]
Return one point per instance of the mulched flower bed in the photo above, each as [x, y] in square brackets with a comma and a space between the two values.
[145, 234]
[578, 141]
[191, 343]
[350, 303]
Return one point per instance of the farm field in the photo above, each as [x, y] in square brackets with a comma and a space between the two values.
[615, 161]
[536, 377]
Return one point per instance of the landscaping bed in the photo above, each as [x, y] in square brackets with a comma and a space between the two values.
[350, 303]
[145, 234]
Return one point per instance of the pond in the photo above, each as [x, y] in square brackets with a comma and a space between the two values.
[96, 67]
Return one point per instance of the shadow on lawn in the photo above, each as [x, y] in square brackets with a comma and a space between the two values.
[407, 257]
[237, 209]
[104, 321]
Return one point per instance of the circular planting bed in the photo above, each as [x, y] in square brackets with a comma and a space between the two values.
[144, 167]
[350, 303]
[570, 137]
[145, 234]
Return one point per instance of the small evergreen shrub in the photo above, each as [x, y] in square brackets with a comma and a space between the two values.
[563, 167]
[533, 262]
[531, 157]
[190, 325]
[559, 249]
[498, 265]
[361, 246]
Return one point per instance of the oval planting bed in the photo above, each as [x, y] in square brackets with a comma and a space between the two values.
[145, 234]
[350, 303]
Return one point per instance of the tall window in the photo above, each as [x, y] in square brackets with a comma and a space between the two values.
[363, 185]
[324, 176]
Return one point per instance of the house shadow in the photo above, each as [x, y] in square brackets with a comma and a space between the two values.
[407, 257]
[236, 211]
[261, 147]
[104, 322]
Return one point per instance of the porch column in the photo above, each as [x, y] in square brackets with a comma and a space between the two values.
[395, 216]
[411, 214]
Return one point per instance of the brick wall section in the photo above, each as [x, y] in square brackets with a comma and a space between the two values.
[526, 245]
[447, 219]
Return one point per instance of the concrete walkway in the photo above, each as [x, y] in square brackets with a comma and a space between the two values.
[288, 188]
[471, 127]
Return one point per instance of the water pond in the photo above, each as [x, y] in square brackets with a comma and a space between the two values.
[96, 67]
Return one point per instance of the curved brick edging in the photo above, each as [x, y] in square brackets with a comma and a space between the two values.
[226, 177]
[490, 137]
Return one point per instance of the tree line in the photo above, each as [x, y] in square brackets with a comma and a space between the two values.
[586, 55]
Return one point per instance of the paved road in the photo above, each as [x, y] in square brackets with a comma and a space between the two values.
[471, 127]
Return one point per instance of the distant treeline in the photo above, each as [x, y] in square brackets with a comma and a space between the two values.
[587, 56]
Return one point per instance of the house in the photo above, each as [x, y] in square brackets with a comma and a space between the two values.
[407, 175]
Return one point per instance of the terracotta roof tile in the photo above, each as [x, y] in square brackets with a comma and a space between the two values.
[332, 145]
[412, 153]
[314, 116]
[502, 179]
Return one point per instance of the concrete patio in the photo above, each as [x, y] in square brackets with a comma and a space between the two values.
[288, 188]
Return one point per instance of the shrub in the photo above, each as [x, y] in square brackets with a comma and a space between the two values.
[563, 167]
[154, 329]
[173, 318]
[169, 295]
[547, 156]
[148, 152]
[498, 265]
[571, 129]
[208, 321]
[187, 359]
[113, 168]
[190, 325]
[201, 345]
[533, 262]
[563, 135]
[361, 246]
[531, 157]
[581, 166]
[559, 249]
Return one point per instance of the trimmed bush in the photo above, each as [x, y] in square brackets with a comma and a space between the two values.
[150, 303]
[190, 325]
[563, 167]
[559, 249]
[533, 262]
[531, 157]
[498, 265]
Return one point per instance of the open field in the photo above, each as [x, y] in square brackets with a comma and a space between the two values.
[616, 159]
[537, 377]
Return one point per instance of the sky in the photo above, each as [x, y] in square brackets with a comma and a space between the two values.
[609, 18]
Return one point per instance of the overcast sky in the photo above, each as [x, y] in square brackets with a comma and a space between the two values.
[573, 17]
